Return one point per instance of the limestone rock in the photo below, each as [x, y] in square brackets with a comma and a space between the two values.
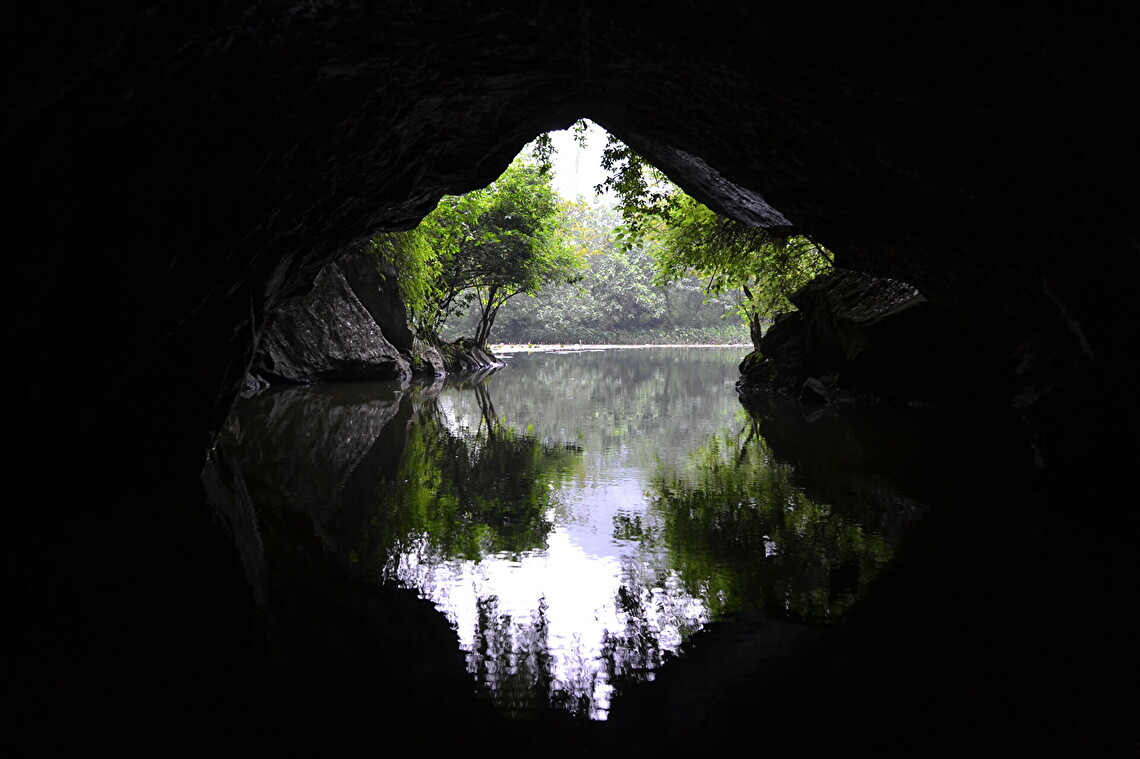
[326, 335]
[465, 357]
[377, 288]
[427, 360]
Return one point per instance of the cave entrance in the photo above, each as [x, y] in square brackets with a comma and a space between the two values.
[605, 249]
[579, 519]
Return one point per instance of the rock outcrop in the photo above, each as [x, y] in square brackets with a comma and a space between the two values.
[465, 356]
[859, 339]
[427, 360]
[376, 286]
[326, 335]
[353, 325]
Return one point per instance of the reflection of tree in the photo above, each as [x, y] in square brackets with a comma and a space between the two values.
[647, 403]
[630, 654]
[465, 494]
[512, 659]
[658, 613]
[741, 533]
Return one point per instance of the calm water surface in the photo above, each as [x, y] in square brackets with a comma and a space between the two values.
[576, 516]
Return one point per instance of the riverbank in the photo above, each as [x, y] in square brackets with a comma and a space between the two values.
[502, 348]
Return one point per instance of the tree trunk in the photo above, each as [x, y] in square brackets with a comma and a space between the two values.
[755, 330]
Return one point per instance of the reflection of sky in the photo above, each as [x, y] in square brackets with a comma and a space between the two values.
[584, 565]
[579, 574]
[460, 413]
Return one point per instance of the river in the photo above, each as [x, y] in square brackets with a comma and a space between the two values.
[581, 520]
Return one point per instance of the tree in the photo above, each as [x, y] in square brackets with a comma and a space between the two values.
[418, 268]
[688, 239]
[766, 268]
[482, 249]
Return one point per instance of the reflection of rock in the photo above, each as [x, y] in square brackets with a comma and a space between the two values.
[327, 334]
[878, 467]
[291, 478]
[879, 464]
[857, 339]
[721, 662]
[428, 387]
[226, 490]
[305, 446]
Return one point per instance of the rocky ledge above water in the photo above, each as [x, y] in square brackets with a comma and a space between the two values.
[858, 339]
[352, 325]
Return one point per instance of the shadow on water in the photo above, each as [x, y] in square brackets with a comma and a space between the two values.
[699, 572]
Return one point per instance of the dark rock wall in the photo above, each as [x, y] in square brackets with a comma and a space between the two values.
[378, 290]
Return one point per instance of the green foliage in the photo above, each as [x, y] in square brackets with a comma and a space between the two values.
[542, 147]
[481, 249]
[731, 256]
[662, 267]
[617, 300]
[687, 239]
[413, 258]
[644, 193]
[465, 494]
[542, 151]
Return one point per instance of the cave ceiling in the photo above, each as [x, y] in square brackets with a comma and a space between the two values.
[198, 163]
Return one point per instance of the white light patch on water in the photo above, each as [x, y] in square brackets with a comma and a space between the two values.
[578, 576]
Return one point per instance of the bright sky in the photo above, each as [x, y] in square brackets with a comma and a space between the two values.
[576, 169]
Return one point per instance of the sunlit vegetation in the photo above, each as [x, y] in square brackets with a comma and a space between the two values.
[617, 298]
[731, 257]
[688, 239]
[657, 267]
[477, 251]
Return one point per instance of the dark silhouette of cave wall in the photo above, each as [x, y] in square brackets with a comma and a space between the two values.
[177, 169]
[174, 170]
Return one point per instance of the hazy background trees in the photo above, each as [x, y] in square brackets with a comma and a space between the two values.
[618, 298]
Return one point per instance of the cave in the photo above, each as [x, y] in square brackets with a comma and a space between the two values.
[175, 170]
